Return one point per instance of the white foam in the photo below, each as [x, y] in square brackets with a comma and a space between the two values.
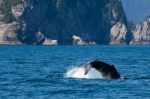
[79, 72]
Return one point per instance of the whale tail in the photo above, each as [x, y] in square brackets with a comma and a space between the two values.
[86, 67]
[115, 74]
[107, 70]
[94, 69]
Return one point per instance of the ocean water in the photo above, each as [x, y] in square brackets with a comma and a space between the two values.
[37, 72]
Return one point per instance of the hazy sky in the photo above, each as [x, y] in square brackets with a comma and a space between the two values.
[136, 10]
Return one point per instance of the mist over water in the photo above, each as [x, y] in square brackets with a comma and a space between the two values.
[38, 72]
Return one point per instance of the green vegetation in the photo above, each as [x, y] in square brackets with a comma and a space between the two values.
[5, 8]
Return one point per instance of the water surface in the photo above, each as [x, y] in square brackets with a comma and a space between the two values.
[37, 72]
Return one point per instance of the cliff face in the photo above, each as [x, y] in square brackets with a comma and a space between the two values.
[141, 33]
[8, 33]
[100, 21]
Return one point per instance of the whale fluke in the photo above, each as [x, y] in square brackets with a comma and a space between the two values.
[107, 70]
[94, 70]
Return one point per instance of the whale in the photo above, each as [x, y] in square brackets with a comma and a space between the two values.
[94, 69]
[107, 70]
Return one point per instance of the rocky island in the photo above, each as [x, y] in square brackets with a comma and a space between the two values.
[63, 22]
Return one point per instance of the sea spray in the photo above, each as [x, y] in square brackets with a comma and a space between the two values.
[79, 72]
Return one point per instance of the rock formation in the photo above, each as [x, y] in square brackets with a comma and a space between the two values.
[78, 41]
[8, 33]
[50, 42]
[141, 33]
[99, 21]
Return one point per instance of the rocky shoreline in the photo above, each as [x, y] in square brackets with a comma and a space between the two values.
[69, 23]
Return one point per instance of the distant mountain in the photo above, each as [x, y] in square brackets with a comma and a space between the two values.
[136, 10]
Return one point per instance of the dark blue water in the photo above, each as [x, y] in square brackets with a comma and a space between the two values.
[37, 72]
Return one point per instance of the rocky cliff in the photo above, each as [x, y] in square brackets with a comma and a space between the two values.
[141, 33]
[8, 33]
[99, 21]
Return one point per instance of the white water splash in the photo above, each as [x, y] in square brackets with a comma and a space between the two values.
[79, 72]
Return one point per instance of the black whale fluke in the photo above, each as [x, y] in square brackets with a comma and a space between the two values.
[107, 70]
